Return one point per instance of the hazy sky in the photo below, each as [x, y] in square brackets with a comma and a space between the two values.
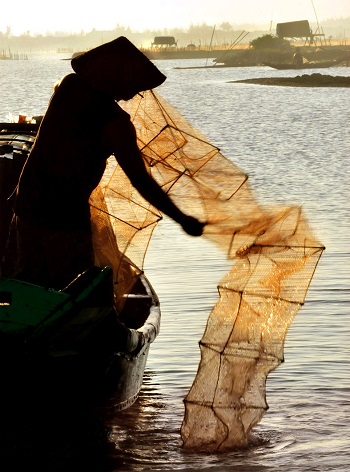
[43, 16]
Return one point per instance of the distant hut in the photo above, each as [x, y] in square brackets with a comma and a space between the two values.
[164, 41]
[296, 29]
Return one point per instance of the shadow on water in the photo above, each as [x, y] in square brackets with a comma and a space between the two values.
[49, 434]
[50, 437]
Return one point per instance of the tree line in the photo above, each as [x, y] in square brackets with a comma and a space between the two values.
[199, 35]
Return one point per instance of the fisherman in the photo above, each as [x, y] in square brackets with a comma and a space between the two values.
[298, 58]
[82, 127]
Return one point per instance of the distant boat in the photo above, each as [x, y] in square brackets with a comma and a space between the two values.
[189, 52]
[306, 65]
[167, 53]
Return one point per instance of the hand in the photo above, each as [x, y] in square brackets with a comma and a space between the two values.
[192, 226]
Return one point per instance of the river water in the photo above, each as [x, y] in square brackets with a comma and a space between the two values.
[294, 143]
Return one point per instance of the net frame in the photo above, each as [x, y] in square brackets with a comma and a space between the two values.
[273, 251]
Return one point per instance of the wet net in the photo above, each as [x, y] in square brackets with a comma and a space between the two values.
[273, 252]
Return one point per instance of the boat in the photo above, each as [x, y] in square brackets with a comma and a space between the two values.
[174, 53]
[305, 65]
[69, 345]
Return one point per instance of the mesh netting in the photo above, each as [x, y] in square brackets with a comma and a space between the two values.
[273, 252]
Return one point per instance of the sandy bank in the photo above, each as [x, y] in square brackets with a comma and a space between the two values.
[305, 80]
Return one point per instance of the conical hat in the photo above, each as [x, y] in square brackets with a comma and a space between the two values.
[118, 68]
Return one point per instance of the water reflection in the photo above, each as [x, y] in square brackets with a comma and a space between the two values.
[294, 144]
[52, 438]
[144, 438]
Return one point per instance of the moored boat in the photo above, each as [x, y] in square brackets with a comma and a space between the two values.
[305, 65]
[69, 344]
[175, 53]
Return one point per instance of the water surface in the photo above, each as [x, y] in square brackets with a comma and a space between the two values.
[294, 143]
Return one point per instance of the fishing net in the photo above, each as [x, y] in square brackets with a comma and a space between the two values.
[273, 252]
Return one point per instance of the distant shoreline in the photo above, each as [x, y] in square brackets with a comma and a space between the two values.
[305, 80]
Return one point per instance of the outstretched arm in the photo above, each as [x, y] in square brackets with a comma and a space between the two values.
[120, 134]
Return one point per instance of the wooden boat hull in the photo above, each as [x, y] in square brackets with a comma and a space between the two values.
[77, 349]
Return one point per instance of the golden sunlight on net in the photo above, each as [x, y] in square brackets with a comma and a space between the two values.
[273, 252]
